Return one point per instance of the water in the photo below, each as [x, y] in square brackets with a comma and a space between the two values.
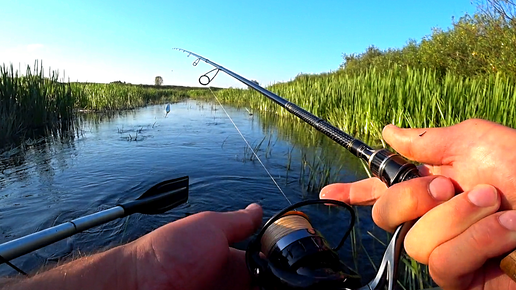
[115, 159]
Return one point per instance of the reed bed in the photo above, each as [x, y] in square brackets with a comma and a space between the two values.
[34, 105]
[362, 105]
[117, 96]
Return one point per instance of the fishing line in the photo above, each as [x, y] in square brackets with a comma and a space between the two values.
[251, 148]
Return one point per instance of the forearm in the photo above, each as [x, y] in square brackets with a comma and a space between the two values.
[112, 269]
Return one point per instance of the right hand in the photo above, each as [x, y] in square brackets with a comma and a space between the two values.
[470, 153]
[461, 239]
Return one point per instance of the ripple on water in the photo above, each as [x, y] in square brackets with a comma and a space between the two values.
[53, 182]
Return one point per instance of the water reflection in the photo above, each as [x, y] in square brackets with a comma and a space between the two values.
[322, 160]
[40, 157]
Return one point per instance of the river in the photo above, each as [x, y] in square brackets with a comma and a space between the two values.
[113, 159]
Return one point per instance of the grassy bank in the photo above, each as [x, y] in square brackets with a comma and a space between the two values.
[32, 104]
[35, 104]
[362, 104]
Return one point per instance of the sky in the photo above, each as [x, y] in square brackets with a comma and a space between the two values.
[268, 41]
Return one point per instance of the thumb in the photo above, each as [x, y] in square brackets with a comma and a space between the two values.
[239, 225]
[430, 145]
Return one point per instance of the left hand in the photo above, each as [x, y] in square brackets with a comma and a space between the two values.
[195, 253]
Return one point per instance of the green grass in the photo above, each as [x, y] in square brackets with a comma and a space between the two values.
[34, 105]
[362, 105]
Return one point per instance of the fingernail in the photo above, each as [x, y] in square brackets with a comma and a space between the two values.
[508, 220]
[483, 196]
[253, 206]
[388, 125]
[441, 189]
[324, 192]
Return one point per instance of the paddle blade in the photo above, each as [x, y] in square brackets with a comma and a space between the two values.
[160, 198]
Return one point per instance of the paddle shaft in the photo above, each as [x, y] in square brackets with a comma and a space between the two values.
[21, 246]
[158, 199]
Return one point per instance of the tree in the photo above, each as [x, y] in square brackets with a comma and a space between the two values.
[158, 81]
[506, 9]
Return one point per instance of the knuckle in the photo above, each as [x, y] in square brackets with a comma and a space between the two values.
[410, 202]
[438, 269]
[415, 249]
[473, 121]
[206, 215]
[382, 218]
[477, 238]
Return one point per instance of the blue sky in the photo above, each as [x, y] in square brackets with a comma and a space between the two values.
[270, 41]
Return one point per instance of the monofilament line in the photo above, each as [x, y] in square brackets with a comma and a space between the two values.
[251, 148]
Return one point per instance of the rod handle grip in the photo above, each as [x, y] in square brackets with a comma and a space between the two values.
[508, 265]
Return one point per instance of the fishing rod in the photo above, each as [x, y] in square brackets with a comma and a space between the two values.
[389, 167]
[158, 199]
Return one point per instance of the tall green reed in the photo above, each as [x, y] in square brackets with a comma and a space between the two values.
[116, 96]
[33, 104]
[363, 104]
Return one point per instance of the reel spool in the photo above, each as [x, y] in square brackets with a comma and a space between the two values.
[289, 253]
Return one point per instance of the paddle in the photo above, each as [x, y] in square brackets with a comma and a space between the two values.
[158, 199]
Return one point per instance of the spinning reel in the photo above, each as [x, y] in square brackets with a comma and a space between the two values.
[288, 253]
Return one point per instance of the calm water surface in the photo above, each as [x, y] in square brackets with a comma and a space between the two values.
[115, 159]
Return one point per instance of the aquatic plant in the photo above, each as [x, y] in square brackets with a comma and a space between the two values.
[33, 104]
[362, 105]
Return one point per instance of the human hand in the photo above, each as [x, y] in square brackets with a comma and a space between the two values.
[468, 154]
[461, 239]
[195, 253]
